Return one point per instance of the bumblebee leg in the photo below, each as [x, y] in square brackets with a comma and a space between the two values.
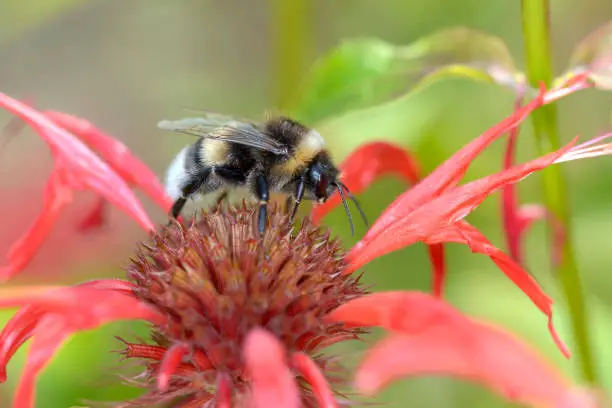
[263, 195]
[299, 194]
[177, 207]
[187, 191]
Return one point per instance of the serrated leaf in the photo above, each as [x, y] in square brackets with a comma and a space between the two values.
[367, 72]
[594, 56]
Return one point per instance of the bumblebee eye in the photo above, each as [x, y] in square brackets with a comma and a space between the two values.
[319, 180]
[322, 186]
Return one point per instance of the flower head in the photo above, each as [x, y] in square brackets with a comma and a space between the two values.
[215, 281]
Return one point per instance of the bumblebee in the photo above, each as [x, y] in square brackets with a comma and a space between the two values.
[279, 155]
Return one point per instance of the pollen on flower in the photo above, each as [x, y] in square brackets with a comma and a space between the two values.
[217, 281]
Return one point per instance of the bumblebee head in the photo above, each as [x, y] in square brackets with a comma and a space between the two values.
[324, 179]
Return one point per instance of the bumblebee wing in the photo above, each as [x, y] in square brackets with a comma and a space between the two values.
[216, 117]
[225, 128]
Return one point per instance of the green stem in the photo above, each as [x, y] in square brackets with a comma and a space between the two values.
[536, 32]
[292, 46]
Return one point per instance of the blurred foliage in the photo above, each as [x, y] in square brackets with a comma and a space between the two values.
[368, 72]
[126, 65]
[30, 14]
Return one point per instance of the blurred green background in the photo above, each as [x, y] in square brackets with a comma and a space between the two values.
[125, 65]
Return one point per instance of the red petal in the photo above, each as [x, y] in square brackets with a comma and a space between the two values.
[401, 311]
[365, 165]
[172, 360]
[16, 332]
[436, 255]
[148, 351]
[313, 375]
[49, 317]
[119, 285]
[117, 155]
[223, 396]
[509, 198]
[95, 217]
[590, 149]
[489, 356]
[518, 219]
[572, 84]
[449, 173]
[50, 335]
[434, 223]
[527, 214]
[464, 233]
[272, 383]
[55, 197]
[418, 224]
[85, 169]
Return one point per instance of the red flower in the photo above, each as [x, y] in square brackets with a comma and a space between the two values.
[433, 210]
[237, 319]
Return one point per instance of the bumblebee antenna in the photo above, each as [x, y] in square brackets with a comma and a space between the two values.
[354, 200]
[346, 208]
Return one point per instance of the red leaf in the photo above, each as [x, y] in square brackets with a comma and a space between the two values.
[313, 375]
[366, 165]
[489, 356]
[117, 155]
[272, 383]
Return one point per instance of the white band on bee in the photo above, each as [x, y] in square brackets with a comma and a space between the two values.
[313, 141]
[176, 175]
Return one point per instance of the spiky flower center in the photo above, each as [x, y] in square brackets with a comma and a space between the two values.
[216, 280]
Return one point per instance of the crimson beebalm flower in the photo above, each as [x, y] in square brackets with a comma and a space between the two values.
[242, 320]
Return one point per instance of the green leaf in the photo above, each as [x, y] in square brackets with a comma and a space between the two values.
[367, 72]
[594, 56]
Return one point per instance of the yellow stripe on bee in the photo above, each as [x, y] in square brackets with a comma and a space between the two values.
[309, 146]
[214, 152]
